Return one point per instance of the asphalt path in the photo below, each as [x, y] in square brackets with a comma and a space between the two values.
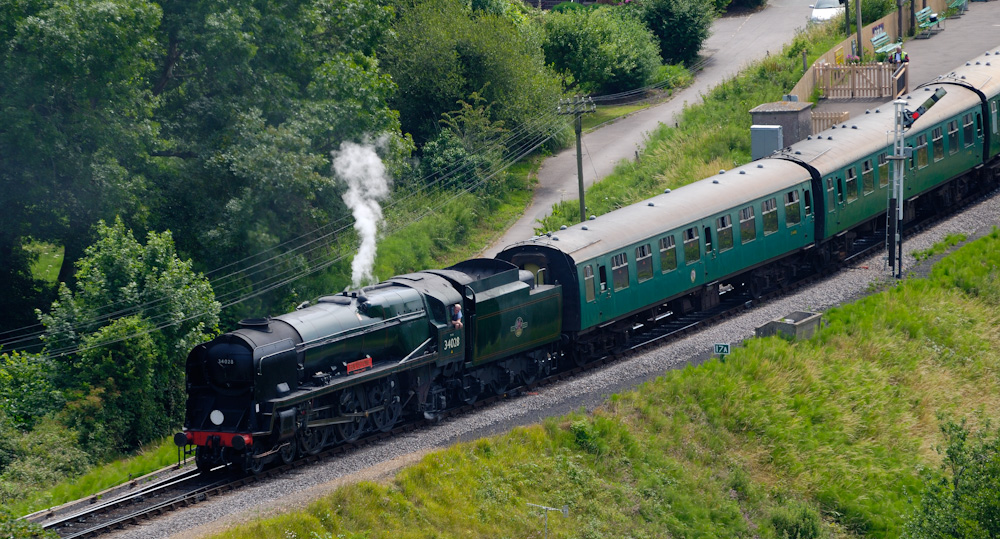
[735, 41]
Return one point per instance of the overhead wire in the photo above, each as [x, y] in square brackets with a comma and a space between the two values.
[518, 142]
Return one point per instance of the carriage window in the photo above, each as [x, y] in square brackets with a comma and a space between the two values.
[967, 130]
[792, 216]
[668, 254]
[840, 191]
[993, 110]
[830, 196]
[867, 177]
[809, 203]
[852, 184]
[692, 251]
[604, 277]
[619, 271]
[643, 263]
[748, 226]
[922, 151]
[724, 232]
[588, 283]
[952, 136]
[937, 152]
[769, 212]
[883, 170]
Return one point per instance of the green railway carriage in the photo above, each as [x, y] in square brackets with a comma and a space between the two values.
[677, 244]
[852, 161]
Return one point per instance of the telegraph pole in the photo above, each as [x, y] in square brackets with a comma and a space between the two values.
[578, 106]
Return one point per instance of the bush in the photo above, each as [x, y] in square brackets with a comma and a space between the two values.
[796, 520]
[873, 10]
[605, 49]
[681, 26]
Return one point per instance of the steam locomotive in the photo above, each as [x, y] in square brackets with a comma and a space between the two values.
[359, 362]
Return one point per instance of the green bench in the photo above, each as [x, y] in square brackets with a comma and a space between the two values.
[959, 6]
[882, 43]
[928, 22]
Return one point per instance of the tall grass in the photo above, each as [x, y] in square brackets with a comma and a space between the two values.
[818, 438]
[99, 478]
[709, 137]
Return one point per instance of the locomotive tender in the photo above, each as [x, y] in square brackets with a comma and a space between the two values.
[358, 362]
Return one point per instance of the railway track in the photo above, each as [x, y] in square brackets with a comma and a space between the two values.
[132, 506]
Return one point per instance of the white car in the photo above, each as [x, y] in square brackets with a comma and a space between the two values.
[825, 10]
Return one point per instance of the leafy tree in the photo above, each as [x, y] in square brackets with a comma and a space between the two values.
[76, 121]
[15, 528]
[963, 501]
[442, 52]
[467, 150]
[605, 49]
[680, 26]
[256, 94]
[124, 291]
[26, 389]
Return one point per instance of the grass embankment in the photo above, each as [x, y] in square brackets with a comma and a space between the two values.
[820, 438]
[710, 136]
[99, 478]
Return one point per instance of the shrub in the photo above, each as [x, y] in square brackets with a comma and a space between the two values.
[681, 26]
[796, 520]
[606, 49]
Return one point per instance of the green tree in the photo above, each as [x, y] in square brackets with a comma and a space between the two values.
[75, 124]
[26, 390]
[680, 26]
[964, 500]
[256, 94]
[606, 49]
[442, 52]
[123, 289]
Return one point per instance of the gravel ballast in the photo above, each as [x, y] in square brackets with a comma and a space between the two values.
[296, 489]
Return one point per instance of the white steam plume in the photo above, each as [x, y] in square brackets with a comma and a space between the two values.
[367, 185]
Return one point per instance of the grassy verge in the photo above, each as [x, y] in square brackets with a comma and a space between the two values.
[150, 459]
[46, 266]
[712, 136]
[820, 438]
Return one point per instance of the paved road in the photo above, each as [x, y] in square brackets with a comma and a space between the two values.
[736, 41]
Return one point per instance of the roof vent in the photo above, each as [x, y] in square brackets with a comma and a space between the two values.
[555, 238]
[715, 181]
[562, 227]
[797, 152]
[665, 191]
[760, 165]
[743, 172]
[809, 137]
[854, 127]
[592, 217]
[650, 204]
[722, 171]
[584, 227]
[830, 137]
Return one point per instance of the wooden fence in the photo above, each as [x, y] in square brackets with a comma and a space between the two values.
[824, 119]
[856, 81]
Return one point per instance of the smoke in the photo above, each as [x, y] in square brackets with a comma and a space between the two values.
[367, 185]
